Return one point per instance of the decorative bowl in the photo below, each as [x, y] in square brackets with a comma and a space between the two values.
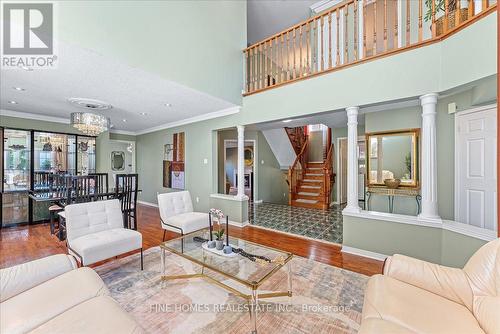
[392, 183]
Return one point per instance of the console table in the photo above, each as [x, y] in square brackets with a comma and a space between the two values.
[391, 193]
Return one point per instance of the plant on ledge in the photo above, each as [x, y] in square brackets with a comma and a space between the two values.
[438, 7]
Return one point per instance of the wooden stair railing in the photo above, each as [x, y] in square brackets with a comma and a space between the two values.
[331, 40]
[297, 136]
[296, 172]
[329, 176]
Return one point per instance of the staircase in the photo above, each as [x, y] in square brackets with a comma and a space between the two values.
[310, 183]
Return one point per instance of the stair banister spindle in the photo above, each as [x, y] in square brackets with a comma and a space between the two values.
[446, 11]
[385, 25]
[396, 19]
[337, 14]
[329, 40]
[308, 37]
[346, 36]
[457, 12]
[294, 41]
[322, 44]
[355, 29]
[364, 29]
[433, 20]
[408, 37]
[420, 20]
[374, 28]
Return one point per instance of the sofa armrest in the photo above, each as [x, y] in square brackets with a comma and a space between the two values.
[22, 277]
[447, 282]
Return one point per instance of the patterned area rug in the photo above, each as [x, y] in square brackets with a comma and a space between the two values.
[325, 299]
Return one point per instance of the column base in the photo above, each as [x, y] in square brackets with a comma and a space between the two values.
[430, 219]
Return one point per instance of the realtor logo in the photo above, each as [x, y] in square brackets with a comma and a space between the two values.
[28, 35]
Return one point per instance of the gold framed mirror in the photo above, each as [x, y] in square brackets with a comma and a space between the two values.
[248, 155]
[393, 155]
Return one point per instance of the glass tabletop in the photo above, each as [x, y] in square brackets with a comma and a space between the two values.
[237, 267]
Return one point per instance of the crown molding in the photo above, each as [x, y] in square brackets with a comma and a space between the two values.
[38, 117]
[204, 117]
[123, 132]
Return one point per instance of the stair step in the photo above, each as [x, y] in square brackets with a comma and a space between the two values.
[310, 187]
[303, 193]
[312, 180]
[307, 201]
[314, 174]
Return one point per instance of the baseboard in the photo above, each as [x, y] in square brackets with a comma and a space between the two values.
[148, 203]
[233, 223]
[258, 201]
[364, 253]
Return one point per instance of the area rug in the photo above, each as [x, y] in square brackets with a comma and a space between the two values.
[326, 299]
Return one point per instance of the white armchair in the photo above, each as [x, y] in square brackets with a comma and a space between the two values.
[95, 232]
[177, 215]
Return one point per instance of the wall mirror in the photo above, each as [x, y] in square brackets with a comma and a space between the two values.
[117, 160]
[393, 155]
[248, 153]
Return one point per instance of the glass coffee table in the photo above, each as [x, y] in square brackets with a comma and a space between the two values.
[251, 272]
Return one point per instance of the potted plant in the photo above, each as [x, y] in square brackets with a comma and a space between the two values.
[219, 238]
[439, 7]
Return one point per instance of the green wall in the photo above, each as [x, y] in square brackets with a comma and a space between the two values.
[195, 43]
[432, 244]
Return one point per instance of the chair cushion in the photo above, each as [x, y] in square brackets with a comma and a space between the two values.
[414, 309]
[174, 203]
[33, 307]
[189, 222]
[92, 217]
[102, 245]
[97, 315]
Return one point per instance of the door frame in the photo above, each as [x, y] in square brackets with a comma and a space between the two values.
[456, 160]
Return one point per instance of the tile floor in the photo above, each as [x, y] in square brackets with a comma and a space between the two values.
[312, 223]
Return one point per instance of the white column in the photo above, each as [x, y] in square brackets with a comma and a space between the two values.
[352, 160]
[241, 162]
[429, 158]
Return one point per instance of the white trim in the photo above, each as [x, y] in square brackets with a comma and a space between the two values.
[364, 253]
[147, 203]
[199, 118]
[469, 230]
[233, 223]
[476, 109]
[38, 117]
[395, 218]
[229, 197]
[123, 132]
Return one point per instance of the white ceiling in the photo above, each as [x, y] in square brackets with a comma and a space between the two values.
[85, 74]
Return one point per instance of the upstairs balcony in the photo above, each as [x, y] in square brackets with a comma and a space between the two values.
[353, 32]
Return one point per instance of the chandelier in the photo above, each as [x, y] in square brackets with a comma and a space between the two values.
[90, 124]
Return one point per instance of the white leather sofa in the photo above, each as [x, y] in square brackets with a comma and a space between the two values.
[414, 296]
[177, 215]
[51, 295]
[95, 232]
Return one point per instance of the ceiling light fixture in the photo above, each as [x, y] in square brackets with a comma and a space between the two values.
[124, 120]
[90, 124]
[143, 114]
[26, 68]
[12, 102]
[287, 121]
[168, 104]
[19, 89]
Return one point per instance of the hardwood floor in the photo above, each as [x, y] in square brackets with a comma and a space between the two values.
[26, 243]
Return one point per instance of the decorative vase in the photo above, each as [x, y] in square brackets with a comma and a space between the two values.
[219, 244]
[211, 244]
[227, 249]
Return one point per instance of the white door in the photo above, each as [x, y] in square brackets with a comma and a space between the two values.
[475, 168]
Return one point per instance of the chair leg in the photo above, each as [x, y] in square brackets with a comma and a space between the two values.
[164, 231]
[142, 261]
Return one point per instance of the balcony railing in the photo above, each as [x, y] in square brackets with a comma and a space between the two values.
[352, 32]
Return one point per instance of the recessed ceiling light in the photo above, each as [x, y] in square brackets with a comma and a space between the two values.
[26, 68]
[143, 114]
[12, 102]
[287, 121]
[124, 120]
[20, 89]
[168, 104]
